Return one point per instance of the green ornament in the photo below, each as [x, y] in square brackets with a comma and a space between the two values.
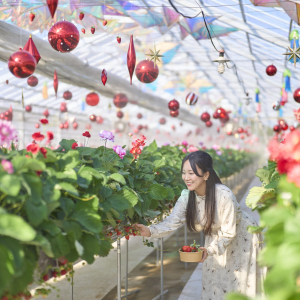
[256, 91]
[287, 72]
[294, 34]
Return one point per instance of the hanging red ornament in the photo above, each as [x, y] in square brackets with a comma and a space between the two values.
[104, 22]
[21, 64]
[242, 136]
[32, 81]
[240, 130]
[139, 115]
[276, 128]
[55, 83]
[52, 5]
[99, 120]
[7, 81]
[120, 100]
[205, 117]
[63, 107]
[46, 113]
[67, 95]
[31, 48]
[276, 105]
[75, 125]
[162, 121]
[28, 108]
[146, 72]
[181, 124]
[63, 36]
[92, 99]
[81, 15]
[131, 58]
[271, 70]
[66, 125]
[191, 98]
[218, 129]
[173, 105]
[92, 118]
[208, 123]
[216, 115]
[7, 115]
[93, 29]
[83, 30]
[292, 128]
[88, 126]
[37, 125]
[104, 76]
[31, 16]
[173, 127]
[61, 126]
[297, 95]
[118, 39]
[140, 127]
[120, 114]
[174, 113]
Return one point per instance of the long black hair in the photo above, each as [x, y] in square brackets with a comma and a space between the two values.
[204, 161]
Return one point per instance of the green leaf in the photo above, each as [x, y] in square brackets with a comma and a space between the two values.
[255, 195]
[69, 160]
[36, 213]
[35, 185]
[67, 144]
[50, 227]
[91, 247]
[16, 227]
[123, 200]
[111, 219]
[152, 147]
[67, 187]
[10, 184]
[67, 205]
[263, 175]
[105, 247]
[118, 177]
[6, 267]
[255, 229]
[105, 192]
[42, 242]
[72, 227]
[89, 219]
[159, 163]
[171, 193]
[152, 213]
[85, 150]
[158, 192]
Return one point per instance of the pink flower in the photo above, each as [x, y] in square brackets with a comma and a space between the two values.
[184, 143]
[8, 133]
[192, 149]
[44, 121]
[34, 148]
[294, 174]
[107, 135]
[215, 147]
[38, 136]
[184, 150]
[50, 135]
[130, 134]
[74, 145]
[43, 151]
[7, 166]
[120, 151]
[219, 152]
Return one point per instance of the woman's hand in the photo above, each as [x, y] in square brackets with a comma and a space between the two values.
[144, 230]
[204, 256]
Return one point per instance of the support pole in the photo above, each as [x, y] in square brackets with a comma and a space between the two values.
[71, 287]
[185, 241]
[157, 253]
[119, 268]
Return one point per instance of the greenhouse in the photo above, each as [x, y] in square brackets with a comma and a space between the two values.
[150, 149]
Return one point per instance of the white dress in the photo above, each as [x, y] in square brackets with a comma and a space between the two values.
[231, 264]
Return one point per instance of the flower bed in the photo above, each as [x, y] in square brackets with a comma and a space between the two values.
[65, 201]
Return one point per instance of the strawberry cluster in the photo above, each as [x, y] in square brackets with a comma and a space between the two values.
[138, 146]
[124, 230]
[192, 248]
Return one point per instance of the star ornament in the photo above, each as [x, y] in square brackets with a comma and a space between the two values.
[294, 53]
[154, 55]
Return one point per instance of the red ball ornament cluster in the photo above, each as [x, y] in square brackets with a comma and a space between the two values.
[205, 117]
[92, 99]
[32, 81]
[63, 36]
[281, 126]
[146, 72]
[120, 100]
[67, 95]
[7, 115]
[222, 114]
[271, 70]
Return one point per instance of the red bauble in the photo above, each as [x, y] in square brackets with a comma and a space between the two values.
[63, 36]
[221, 112]
[28, 108]
[120, 100]
[131, 58]
[99, 120]
[37, 125]
[46, 113]
[271, 70]
[7, 115]
[55, 83]
[67, 95]
[208, 123]
[32, 81]
[104, 76]
[140, 127]
[88, 126]
[292, 128]
[276, 128]
[139, 115]
[173, 105]
[174, 114]
[284, 126]
[216, 115]
[162, 121]
[297, 95]
[92, 99]
[31, 48]
[66, 125]
[63, 107]
[240, 130]
[173, 127]
[146, 72]
[191, 98]
[93, 118]
[75, 125]
[120, 114]
[242, 136]
[205, 117]
[229, 133]
[61, 126]
[31, 17]
[52, 5]
[21, 64]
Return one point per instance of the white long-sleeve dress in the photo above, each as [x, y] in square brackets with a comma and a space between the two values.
[231, 264]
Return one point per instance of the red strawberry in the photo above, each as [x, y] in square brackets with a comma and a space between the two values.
[104, 22]
[119, 233]
[83, 30]
[63, 272]
[188, 249]
[127, 237]
[46, 277]
[118, 39]
[118, 221]
[31, 16]
[184, 248]
[110, 233]
[93, 29]
[81, 15]
[54, 274]
[62, 261]
[27, 296]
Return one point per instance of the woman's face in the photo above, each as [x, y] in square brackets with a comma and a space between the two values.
[192, 181]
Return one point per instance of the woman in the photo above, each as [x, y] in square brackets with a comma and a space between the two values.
[230, 251]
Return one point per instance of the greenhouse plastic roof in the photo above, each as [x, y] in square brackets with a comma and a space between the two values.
[255, 37]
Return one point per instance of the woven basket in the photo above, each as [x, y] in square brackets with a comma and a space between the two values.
[190, 256]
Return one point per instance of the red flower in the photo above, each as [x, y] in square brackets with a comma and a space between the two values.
[38, 173]
[43, 151]
[74, 145]
[34, 148]
[87, 134]
[38, 136]
[50, 135]
[44, 121]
